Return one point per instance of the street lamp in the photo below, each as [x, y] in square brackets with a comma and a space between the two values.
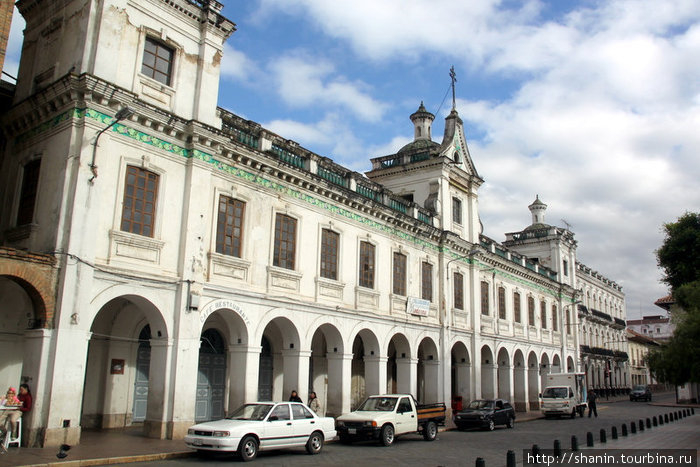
[124, 112]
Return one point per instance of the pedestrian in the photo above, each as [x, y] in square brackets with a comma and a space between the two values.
[294, 397]
[314, 404]
[592, 409]
[22, 402]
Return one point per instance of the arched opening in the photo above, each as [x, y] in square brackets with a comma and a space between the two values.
[143, 364]
[400, 372]
[519, 382]
[428, 372]
[533, 381]
[366, 374]
[488, 373]
[288, 373]
[570, 365]
[326, 369]
[265, 370]
[461, 373]
[211, 377]
[505, 390]
[545, 369]
[556, 364]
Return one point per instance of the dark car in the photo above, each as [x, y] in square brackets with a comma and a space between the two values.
[640, 392]
[486, 414]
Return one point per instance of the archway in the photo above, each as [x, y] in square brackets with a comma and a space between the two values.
[460, 371]
[545, 369]
[556, 364]
[505, 390]
[488, 373]
[125, 379]
[400, 371]
[520, 388]
[289, 365]
[211, 377]
[326, 369]
[570, 365]
[533, 381]
[428, 372]
[367, 375]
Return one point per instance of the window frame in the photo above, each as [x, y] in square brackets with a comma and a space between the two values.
[485, 286]
[426, 275]
[139, 171]
[281, 246]
[332, 257]
[531, 311]
[543, 314]
[399, 273]
[501, 302]
[221, 247]
[366, 264]
[458, 290]
[456, 210]
[28, 192]
[151, 71]
[517, 307]
[555, 320]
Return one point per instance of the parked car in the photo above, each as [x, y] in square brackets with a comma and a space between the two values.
[263, 426]
[639, 392]
[387, 416]
[486, 414]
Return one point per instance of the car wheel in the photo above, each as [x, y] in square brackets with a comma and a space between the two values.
[248, 449]
[430, 431]
[511, 422]
[315, 443]
[491, 425]
[386, 437]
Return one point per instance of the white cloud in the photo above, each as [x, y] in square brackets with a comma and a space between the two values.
[236, 65]
[307, 82]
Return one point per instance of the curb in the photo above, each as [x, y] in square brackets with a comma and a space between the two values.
[117, 460]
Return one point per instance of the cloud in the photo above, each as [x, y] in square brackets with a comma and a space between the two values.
[307, 82]
[236, 65]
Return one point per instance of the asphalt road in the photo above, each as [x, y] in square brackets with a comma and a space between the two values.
[457, 448]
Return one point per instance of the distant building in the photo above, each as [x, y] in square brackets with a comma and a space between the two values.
[657, 327]
[164, 260]
[639, 346]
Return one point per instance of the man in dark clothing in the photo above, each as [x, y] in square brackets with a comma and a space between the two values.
[592, 409]
[294, 397]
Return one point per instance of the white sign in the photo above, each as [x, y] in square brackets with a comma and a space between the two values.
[219, 304]
[417, 306]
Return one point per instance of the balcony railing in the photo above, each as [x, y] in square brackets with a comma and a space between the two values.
[331, 176]
[368, 192]
[241, 136]
[289, 157]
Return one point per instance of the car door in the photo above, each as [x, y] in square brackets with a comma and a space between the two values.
[406, 420]
[277, 429]
[303, 424]
[499, 414]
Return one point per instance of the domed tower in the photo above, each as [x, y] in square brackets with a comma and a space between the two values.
[422, 121]
[538, 209]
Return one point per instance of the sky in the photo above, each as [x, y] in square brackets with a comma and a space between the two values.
[592, 105]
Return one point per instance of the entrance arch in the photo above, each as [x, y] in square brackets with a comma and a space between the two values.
[488, 373]
[400, 369]
[533, 381]
[368, 376]
[519, 382]
[505, 390]
[289, 372]
[461, 374]
[570, 365]
[556, 364]
[326, 368]
[211, 377]
[428, 379]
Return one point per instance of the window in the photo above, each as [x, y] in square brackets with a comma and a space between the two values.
[568, 321]
[157, 61]
[502, 302]
[555, 322]
[229, 227]
[399, 274]
[456, 211]
[484, 298]
[329, 254]
[543, 314]
[285, 241]
[27, 194]
[459, 290]
[427, 281]
[516, 307]
[404, 405]
[281, 412]
[566, 268]
[530, 311]
[300, 412]
[140, 194]
[366, 265]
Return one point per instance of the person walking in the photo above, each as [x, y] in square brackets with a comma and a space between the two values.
[592, 409]
[294, 397]
[314, 404]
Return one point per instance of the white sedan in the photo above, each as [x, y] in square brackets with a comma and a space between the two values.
[262, 426]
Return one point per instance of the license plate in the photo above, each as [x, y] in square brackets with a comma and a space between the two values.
[352, 431]
[197, 442]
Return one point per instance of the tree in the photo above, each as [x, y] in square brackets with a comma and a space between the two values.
[678, 361]
[679, 256]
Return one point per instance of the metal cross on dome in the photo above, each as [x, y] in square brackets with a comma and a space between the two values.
[453, 76]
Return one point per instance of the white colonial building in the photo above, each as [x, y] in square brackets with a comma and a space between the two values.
[164, 260]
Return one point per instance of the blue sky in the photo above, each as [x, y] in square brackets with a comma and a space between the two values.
[593, 105]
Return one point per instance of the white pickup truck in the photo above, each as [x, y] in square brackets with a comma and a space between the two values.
[564, 395]
[387, 416]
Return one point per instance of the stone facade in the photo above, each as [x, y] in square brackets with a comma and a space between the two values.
[210, 262]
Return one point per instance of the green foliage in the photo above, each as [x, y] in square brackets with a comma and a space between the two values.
[678, 361]
[679, 256]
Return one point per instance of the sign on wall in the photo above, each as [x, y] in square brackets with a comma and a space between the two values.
[417, 306]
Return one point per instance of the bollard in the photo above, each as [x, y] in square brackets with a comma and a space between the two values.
[648, 422]
[603, 436]
[535, 450]
[557, 448]
[510, 459]
[641, 425]
[654, 421]
[665, 418]
[614, 432]
[675, 415]
[692, 410]
[661, 419]
[589, 439]
[633, 428]
[480, 462]
[574, 443]
[624, 429]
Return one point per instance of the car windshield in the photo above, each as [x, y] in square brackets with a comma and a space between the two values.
[639, 388]
[251, 412]
[379, 404]
[481, 404]
[555, 393]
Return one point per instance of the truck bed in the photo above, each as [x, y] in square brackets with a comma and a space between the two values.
[434, 412]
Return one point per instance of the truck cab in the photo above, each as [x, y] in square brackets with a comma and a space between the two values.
[564, 395]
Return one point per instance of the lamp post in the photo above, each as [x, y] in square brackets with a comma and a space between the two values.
[124, 112]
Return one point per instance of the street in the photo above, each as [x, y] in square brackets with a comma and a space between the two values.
[460, 448]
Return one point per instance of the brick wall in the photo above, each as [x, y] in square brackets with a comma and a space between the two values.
[6, 9]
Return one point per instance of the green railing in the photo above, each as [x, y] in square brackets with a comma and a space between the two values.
[241, 136]
[289, 157]
[390, 162]
[423, 217]
[367, 192]
[398, 205]
[420, 157]
[332, 177]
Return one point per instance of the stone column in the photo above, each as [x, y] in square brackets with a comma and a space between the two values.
[375, 375]
[296, 373]
[243, 372]
[407, 375]
[432, 390]
[339, 374]
[155, 425]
